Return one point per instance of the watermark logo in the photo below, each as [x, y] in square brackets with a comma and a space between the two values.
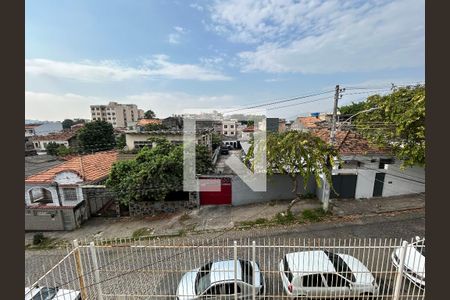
[255, 178]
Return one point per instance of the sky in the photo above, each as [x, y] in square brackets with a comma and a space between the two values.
[170, 56]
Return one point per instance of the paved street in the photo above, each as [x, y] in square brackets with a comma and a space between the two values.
[168, 264]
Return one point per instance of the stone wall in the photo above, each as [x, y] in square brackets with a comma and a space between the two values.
[154, 207]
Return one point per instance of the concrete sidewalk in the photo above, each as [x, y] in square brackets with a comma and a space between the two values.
[225, 217]
[343, 207]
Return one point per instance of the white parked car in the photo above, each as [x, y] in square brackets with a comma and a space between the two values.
[49, 293]
[414, 266]
[323, 274]
[215, 280]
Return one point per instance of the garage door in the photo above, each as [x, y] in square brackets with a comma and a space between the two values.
[345, 186]
[210, 194]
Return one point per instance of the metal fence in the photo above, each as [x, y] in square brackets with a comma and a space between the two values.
[153, 269]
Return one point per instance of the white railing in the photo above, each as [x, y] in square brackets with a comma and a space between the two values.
[152, 269]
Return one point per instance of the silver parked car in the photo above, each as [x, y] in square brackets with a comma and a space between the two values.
[323, 274]
[50, 293]
[216, 280]
[414, 265]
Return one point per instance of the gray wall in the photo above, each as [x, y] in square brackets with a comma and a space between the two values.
[40, 219]
[97, 197]
[279, 187]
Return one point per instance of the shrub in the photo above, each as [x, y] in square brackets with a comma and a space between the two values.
[38, 238]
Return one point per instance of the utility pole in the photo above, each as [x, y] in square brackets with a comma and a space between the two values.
[333, 124]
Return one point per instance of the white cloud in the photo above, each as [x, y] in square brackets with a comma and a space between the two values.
[157, 67]
[196, 6]
[47, 106]
[175, 38]
[323, 37]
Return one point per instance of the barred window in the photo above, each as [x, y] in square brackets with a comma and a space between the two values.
[70, 194]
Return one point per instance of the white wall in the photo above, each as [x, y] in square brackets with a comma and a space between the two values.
[52, 190]
[411, 183]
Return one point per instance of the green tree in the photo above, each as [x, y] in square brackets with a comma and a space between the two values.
[299, 155]
[96, 136]
[149, 114]
[154, 172]
[67, 123]
[154, 127]
[63, 151]
[216, 140]
[353, 108]
[397, 123]
[52, 148]
[121, 141]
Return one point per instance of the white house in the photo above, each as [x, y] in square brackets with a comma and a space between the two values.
[229, 128]
[54, 198]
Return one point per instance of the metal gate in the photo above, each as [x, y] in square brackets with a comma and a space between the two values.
[379, 183]
[215, 191]
[344, 186]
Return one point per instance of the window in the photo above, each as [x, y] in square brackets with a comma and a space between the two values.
[40, 195]
[314, 280]
[225, 126]
[45, 293]
[231, 126]
[247, 271]
[232, 133]
[225, 132]
[203, 279]
[385, 161]
[142, 144]
[287, 270]
[70, 194]
[341, 266]
[334, 280]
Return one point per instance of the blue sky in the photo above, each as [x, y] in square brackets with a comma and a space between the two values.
[174, 55]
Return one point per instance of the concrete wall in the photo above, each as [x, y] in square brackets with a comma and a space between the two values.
[279, 187]
[43, 219]
[413, 181]
[97, 197]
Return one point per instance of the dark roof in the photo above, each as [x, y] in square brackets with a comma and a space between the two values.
[38, 163]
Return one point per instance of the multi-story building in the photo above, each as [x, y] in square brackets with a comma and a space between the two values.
[119, 115]
[229, 128]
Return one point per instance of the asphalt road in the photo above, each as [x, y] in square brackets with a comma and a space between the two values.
[147, 269]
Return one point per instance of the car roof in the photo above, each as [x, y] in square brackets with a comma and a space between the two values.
[309, 262]
[224, 271]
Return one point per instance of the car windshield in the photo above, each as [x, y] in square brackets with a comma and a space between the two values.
[341, 266]
[203, 279]
[45, 294]
[420, 247]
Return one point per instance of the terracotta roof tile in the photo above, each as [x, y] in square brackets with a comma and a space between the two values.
[91, 167]
[350, 143]
[309, 122]
[61, 136]
[143, 122]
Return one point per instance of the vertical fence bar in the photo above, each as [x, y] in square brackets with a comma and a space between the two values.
[235, 269]
[254, 269]
[399, 276]
[79, 269]
[96, 270]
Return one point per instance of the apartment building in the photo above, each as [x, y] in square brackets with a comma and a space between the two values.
[229, 128]
[119, 115]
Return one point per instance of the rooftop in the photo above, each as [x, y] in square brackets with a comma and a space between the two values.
[350, 143]
[91, 168]
[309, 122]
[60, 136]
[143, 122]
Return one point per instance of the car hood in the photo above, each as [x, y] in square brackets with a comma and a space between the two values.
[186, 287]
